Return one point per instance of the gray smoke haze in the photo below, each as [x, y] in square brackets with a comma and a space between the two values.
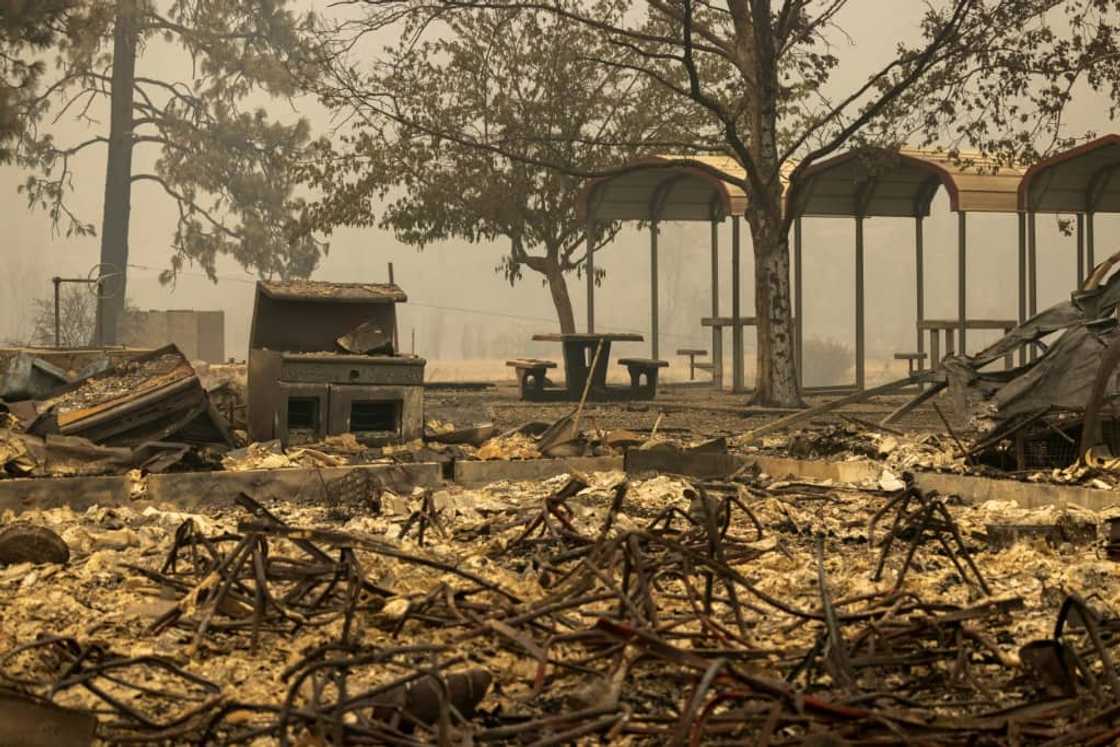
[461, 308]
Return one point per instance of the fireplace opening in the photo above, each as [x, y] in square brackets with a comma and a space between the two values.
[370, 417]
[303, 413]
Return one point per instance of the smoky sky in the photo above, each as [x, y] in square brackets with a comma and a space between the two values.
[459, 303]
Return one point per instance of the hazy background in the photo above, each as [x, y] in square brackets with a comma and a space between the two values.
[459, 308]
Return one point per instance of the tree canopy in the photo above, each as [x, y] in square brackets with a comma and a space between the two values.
[26, 30]
[456, 134]
[227, 164]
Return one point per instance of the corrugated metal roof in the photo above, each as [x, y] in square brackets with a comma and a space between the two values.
[868, 182]
[318, 291]
[902, 183]
[1081, 179]
[676, 187]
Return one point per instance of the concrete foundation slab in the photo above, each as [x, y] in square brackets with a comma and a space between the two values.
[189, 490]
[482, 473]
[195, 489]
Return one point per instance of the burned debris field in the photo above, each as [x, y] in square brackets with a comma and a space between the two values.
[583, 607]
[666, 572]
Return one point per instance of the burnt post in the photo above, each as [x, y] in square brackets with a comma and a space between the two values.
[861, 360]
[717, 333]
[590, 238]
[737, 382]
[1022, 279]
[1080, 249]
[962, 278]
[799, 308]
[654, 229]
[57, 321]
[920, 282]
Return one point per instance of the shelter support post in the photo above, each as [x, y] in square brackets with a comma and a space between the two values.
[1022, 279]
[920, 282]
[1080, 248]
[590, 269]
[962, 279]
[57, 311]
[654, 229]
[799, 308]
[1032, 268]
[861, 353]
[737, 382]
[717, 332]
[1090, 259]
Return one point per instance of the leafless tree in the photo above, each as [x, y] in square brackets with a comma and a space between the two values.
[77, 317]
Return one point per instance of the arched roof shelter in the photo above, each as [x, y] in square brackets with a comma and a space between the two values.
[670, 187]
[1081, 180]
[902, 183]
[676, 188]
[874, 182]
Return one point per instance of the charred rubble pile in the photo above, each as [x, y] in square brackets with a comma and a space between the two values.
[580, 609]
[1052, 417]
[326, 386]
[149, 412]
[1056, 410]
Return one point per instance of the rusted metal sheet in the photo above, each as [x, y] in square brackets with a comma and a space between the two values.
[30, 377]
[317, 290]
[156, 396]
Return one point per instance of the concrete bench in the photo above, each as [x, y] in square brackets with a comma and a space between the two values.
[531, 374]
[692, 364]
[913, 361]
[639, 367]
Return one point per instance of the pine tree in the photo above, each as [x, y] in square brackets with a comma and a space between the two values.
[228, 168]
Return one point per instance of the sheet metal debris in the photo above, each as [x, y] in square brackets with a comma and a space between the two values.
[29, 377]
[1067, 382]
[156, 396]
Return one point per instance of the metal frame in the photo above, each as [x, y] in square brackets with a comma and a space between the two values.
[664, 181]
[1081, 181]
[880, 183]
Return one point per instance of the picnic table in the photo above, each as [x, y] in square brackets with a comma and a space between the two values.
[579, 351]
[951, 327]
[721, 322]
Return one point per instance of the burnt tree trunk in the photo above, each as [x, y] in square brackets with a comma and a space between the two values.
[777, 383]
[118, 176]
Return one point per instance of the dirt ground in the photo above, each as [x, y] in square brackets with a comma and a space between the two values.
[683, 409]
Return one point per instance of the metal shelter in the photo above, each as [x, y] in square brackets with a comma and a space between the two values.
[1079, 181]
[869, 183]
[861, 184]
[674, 188]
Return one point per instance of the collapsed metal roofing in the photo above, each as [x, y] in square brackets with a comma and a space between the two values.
[1062, 377]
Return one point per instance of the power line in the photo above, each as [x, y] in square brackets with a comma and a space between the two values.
[435, 307]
